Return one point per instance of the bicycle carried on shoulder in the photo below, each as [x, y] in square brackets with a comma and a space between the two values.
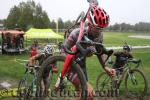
[135, 80]
[74, 66]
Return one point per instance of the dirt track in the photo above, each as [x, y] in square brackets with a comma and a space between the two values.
[98, 98]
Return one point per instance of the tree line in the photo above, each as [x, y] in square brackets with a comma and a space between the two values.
[123, 27]
[29, 14]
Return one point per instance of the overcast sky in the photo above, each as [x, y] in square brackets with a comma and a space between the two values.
[129, 11]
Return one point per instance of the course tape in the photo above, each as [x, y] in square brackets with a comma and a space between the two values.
[8, 92]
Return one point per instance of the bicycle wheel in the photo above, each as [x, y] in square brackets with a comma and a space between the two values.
[136, 83]
[59, 60]
[103, 82]
[27, 87]
[23, 90]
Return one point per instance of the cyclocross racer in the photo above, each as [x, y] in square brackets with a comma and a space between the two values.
[97, 20]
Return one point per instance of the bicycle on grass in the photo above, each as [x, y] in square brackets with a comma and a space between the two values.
[27, 85]
[135, 80]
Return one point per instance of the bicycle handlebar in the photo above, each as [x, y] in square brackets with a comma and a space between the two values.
[30, 68]
[90, 43]
[80, 48]
[93, 1]
[80, 17]
[134, 61]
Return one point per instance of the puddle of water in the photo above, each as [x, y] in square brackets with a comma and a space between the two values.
[140, 36]
[5, 84]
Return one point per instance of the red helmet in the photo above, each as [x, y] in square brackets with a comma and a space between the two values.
[98, 17]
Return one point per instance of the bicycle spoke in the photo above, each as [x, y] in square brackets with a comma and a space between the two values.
[104, 82]
[136, 84]
[133, 79]
[66, 87]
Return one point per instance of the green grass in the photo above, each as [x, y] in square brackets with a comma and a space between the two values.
[94, 68]
[110, 39]
[118, 39]
[9, 68]
[14, 70]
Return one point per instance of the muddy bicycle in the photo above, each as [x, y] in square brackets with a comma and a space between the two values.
[74, 68]
[27, 85]
[135, 80]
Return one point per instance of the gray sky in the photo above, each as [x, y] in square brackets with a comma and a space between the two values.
[128, 11]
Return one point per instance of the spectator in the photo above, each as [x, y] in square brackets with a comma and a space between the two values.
[17, 41]
[8, 39]
[14, 42]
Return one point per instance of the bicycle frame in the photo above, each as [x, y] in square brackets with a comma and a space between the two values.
[33, 81]
[127, 69]
[71, 54]
[130, 78]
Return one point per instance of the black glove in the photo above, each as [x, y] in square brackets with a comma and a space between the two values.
[110, 52]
